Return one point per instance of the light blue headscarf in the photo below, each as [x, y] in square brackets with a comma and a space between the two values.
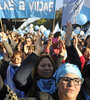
[65, 69]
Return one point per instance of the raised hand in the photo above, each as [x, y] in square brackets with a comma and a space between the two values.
[75, 41]
[75, 44]
[63, 49]
[26, 48]
[3, 35]
[68, 34]
[38, 46]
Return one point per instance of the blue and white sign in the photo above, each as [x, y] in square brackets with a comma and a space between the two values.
[27, 8]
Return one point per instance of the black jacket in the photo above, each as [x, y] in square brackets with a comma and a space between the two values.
[22, 77]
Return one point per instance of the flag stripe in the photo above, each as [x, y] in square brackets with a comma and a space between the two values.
[70, 10]
[86, 9]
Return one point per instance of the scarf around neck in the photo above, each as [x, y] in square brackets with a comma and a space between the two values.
[9, 81]
[47, 85]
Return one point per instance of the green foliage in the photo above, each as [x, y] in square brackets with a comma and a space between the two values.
[58, 16]
[48, 23]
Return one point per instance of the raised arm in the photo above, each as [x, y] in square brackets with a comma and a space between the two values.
[68, 34]
[75, 44]
[22, 77]
[72, 53]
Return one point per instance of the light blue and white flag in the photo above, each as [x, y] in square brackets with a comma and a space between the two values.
[86, 9]
[56, 29]
[71, 8]
[27, 22]
[27, 8]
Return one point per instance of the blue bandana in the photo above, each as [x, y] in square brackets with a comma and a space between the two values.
[1, 56]
[65, 69]
[46, 85]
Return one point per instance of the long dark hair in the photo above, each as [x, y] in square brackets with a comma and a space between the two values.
[35, 76]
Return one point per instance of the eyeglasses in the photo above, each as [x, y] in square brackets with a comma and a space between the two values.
[76, 81]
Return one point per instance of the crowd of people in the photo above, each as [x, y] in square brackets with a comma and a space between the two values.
[39, 67]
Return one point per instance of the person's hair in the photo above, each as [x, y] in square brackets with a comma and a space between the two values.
[86, 40]
[16, 47]
[22, 56]
[28, 37]
[57, 34]
[84, 49]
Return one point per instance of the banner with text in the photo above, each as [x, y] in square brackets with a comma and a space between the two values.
[27, 8]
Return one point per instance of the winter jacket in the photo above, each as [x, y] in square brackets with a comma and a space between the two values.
[41, 96]
[22, 77]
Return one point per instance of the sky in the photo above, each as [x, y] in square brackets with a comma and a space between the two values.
[59, 4]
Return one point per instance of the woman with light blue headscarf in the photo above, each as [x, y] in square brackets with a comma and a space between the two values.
[42, 76]
[68, 82]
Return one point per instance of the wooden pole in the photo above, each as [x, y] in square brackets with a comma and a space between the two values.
[53, 24]
[1, 25]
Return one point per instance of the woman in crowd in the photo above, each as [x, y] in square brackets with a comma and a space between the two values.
[20, 47]
[42, 76]
[87, 41]
[69, 80]
[86, 53]
[14, 65]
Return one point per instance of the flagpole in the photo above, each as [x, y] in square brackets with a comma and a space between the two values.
[54, 16]
[53, 24]
[1, 25]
